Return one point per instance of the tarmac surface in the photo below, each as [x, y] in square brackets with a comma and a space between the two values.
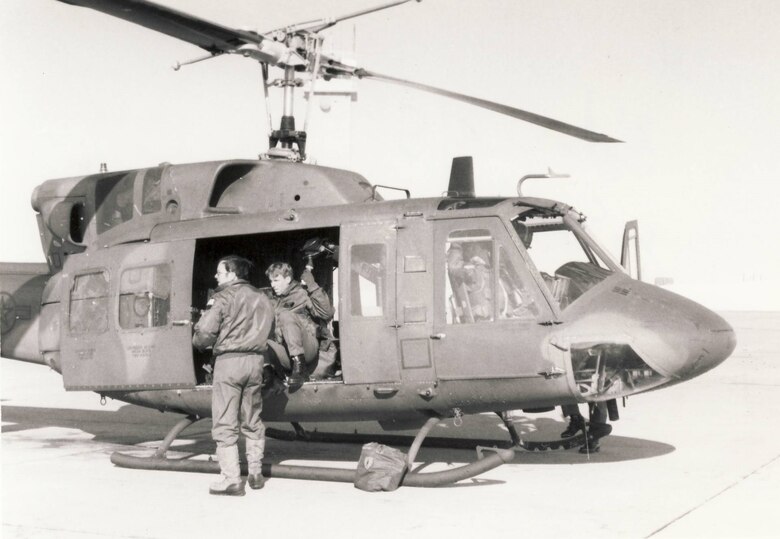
[701, 459]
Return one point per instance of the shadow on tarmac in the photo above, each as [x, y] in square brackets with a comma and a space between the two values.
[140, 428]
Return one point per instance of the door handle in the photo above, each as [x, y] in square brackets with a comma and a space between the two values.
[438, 336]
[552, 372]
[182, 322]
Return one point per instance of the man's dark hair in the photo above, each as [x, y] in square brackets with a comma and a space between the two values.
[238, 265]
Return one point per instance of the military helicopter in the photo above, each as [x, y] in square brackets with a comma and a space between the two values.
[446, 306]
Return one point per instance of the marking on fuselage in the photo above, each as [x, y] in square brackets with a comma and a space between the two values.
[622, 291]
[140, 351]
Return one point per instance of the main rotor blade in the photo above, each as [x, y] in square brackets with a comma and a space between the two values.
[543, 121]
[317, 25]
[207, 35]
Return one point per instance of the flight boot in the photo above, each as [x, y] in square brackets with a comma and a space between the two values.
[592, 446]
[297, 377]
[270, 378]
[576, 424]
[231, 483]
[273, 383]
[255, 450]
[596, 431]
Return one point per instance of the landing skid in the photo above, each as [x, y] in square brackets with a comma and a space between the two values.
[582, 438]
[434, 442]
[160, 461]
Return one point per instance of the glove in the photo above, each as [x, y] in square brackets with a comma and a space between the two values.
[308, 280]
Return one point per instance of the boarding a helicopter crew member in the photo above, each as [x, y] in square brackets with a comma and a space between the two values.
[302, 308]
[236, 325]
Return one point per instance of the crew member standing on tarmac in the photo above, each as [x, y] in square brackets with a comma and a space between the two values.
[301, 308]
[236, 325]
[595, 429]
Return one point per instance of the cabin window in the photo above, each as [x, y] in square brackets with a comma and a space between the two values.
[144, 297]
[89, 303]
[114, 201]
[152, 201]
[367, 279]
[470, 277]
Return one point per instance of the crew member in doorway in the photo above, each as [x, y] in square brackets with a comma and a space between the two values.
[236, 326]
[302, 309]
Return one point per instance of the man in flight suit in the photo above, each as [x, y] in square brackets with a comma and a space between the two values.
[236, 325]
[301, 309]
[471, 270]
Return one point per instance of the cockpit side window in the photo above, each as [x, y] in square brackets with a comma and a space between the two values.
[470, 279]
[563, 255]
[482, 283]
[514, 299]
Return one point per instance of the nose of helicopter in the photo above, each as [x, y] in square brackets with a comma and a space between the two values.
[692, 338]
[674, 336]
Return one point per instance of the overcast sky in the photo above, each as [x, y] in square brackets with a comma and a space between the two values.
[693, 87]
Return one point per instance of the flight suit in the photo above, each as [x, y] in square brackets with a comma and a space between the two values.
[472, 273]
[237, 326]
[300, 313]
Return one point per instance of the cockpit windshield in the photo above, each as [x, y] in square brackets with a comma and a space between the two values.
[568, 259]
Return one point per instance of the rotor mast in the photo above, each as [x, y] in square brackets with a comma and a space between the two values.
[292, 143]
[303, 41]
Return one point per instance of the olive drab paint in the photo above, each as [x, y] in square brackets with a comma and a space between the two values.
[445, 306]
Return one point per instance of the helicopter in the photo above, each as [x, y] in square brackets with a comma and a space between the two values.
[446, 306]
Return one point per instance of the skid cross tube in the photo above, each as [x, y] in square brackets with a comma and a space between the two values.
[162, 451]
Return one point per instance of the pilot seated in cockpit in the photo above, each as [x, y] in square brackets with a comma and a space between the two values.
[469, 270]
